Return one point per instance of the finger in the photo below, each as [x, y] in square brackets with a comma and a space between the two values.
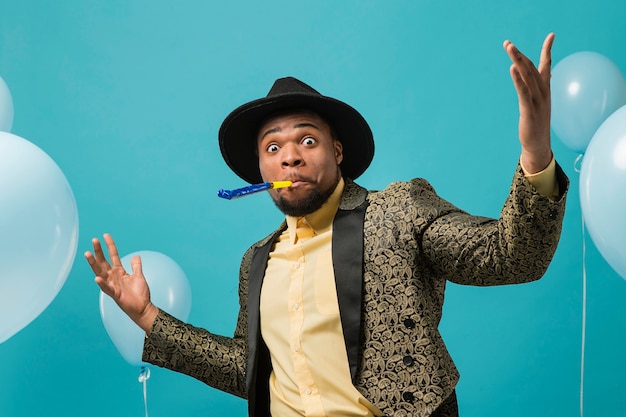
[135, 264]
[96, 260]
[520, 86]
[526, 72]
[90, 259]
[92, 262]
[97, 250]
[97, 268]
[104, 286]
[113, 254]
[524, 65]
[520, 71]
[545, 60]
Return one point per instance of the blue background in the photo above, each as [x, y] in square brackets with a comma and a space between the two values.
[127, 98]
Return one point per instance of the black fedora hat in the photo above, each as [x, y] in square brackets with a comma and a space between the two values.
[238, 133]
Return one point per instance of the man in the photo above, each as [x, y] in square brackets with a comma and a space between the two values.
[340, 306]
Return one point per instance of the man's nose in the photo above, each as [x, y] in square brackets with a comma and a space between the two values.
[291, 156]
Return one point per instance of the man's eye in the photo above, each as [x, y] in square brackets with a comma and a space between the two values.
[308, 140]
[272, 148]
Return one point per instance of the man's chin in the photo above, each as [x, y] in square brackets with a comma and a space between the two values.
[292, 205]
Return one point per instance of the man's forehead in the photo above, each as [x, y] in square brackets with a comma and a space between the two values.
[294, 117]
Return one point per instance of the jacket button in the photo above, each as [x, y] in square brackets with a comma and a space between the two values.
[407, 360]
[552, 215]
[409, 323]
[408, 397]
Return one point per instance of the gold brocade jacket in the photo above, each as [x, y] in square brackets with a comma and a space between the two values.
[393, 251]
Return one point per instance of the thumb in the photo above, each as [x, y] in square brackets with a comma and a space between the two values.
[135, 264]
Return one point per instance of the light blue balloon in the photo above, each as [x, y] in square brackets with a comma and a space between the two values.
[38, 232]
[586, 88]
[603, 190]
[6, 107]
[169, 290]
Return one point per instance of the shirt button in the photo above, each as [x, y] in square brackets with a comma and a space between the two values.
[296, 348]
[296, 265]
[296, 306]
[409, 323]
[308, 391]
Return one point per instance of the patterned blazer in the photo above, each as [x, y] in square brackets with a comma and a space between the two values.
[393, 251]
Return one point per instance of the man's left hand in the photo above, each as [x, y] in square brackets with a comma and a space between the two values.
[533, 91]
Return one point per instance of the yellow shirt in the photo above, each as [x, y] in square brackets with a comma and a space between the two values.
[544, 181]
[300, 320]
[301, 326]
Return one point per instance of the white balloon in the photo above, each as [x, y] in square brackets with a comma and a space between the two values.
[38, 232]
[169, 290]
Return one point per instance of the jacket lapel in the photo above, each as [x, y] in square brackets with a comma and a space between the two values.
[347, 252]
[259, 366]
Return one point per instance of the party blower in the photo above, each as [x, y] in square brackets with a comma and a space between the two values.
[252, 189]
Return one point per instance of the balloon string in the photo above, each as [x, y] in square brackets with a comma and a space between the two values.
[584, 323]
[144, 376]
[577, 168]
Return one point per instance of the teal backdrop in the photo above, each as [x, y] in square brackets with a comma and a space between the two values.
[127, 98]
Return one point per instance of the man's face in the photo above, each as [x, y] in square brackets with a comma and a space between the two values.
[299, 147]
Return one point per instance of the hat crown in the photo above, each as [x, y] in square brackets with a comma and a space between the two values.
[291, 85]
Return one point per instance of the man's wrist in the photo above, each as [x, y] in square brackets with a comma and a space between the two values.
[535, 162]
[146, 320]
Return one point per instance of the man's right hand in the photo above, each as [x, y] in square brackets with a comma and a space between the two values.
[129, 291]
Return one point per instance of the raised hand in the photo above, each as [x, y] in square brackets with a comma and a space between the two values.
[129, 291]
[533, 90]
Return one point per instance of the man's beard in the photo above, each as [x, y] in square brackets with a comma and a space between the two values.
[307, 205]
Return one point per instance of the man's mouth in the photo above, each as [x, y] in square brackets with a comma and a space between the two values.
[298, 182]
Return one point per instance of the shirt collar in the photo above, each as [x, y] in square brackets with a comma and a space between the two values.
[320, 220]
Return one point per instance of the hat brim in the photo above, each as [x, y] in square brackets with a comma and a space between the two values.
[238, 133]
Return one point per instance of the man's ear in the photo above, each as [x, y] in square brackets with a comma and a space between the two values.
[338, 151]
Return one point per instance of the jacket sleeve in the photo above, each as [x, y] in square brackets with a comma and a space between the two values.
[218, 361]
[515, 248]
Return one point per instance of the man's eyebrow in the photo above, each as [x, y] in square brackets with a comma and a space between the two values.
[297, 126]
[269, 132]
[306, 124]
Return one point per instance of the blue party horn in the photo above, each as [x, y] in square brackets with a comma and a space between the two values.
[251, 189]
